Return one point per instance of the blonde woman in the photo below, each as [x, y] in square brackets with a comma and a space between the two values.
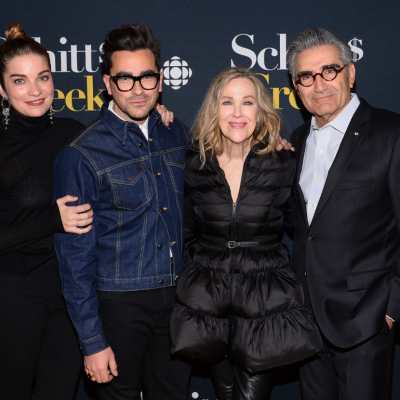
[238, 296]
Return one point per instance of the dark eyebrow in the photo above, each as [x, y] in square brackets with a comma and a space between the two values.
[324, 66]
[24, 76]
[123, 73]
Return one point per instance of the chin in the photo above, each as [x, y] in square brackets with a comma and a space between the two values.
[36, 113]
[32, 111]
[138, 115]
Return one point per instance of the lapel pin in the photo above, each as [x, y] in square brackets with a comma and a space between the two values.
[356, 133]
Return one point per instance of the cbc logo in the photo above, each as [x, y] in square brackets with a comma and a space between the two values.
[176, 72]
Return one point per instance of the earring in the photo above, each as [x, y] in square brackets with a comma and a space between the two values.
[6, 111]
[51, 113]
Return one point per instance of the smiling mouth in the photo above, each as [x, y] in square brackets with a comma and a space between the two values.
[138, 102]
[36, 102]
[237, 125]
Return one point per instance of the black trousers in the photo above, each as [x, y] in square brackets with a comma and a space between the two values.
[38, 345]
[362, 372]
[233, 383]
[136, 326]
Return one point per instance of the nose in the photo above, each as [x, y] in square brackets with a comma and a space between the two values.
[237, 111]
[320, 83]
[34, 89]
[137, 88]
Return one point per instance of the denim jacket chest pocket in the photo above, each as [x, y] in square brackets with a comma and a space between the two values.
[129, 185]
[175, 160]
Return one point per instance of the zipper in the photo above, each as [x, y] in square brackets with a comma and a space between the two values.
[233, 221]
[221, 173]
[234, 205]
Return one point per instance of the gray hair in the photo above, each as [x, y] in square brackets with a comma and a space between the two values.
[315, 38]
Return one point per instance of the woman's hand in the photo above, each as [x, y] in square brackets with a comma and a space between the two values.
[283, 144]
[75, 216]
[166, 115]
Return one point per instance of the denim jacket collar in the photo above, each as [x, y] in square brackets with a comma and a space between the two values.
[119, 128]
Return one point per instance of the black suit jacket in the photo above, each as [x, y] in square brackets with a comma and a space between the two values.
[348, 258]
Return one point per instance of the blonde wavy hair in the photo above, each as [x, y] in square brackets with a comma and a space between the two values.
[206, 128]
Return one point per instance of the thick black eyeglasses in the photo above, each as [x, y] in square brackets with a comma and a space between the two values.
[329, 73]
[125, 83]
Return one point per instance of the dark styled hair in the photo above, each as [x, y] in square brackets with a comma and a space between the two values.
[18, 44]
[130, 38]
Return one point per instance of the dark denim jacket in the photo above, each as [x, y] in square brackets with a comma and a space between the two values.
[135, 188]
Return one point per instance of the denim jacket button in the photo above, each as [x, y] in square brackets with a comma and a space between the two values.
[130, 179]
[141, 144]
[161, 282]
[160, 246]
[181, 161]
[162, 209]
[157, 174]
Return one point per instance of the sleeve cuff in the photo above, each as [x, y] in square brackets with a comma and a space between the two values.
[56, 219]
[94, 345]
[390, 318]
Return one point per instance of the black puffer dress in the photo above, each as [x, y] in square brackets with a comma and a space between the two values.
[243, 302]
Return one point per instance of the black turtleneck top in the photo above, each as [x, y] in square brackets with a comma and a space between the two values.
[28, 219]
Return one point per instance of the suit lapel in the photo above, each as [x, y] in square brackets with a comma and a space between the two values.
[352, 139]
[301, 144]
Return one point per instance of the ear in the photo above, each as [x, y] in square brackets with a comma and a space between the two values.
[160, 83]
[106, 80]
[352, 74]
[296, 88]
[2, 91]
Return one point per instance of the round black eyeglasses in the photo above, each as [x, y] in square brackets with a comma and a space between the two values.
[125, 83]
[329, 73]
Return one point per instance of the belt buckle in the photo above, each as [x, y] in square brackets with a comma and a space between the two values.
[230, 246]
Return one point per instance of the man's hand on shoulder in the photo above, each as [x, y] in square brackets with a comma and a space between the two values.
[101, 367]
[283, 144]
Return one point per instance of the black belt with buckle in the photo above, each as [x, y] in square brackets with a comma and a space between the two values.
[219, 243]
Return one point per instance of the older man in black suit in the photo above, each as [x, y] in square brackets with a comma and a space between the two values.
[347, 244]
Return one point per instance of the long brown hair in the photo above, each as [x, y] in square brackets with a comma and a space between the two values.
[206, 129]
[18, 44]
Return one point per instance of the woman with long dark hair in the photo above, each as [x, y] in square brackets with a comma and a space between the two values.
[37, 341]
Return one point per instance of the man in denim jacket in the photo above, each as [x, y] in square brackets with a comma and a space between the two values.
[119, 279]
